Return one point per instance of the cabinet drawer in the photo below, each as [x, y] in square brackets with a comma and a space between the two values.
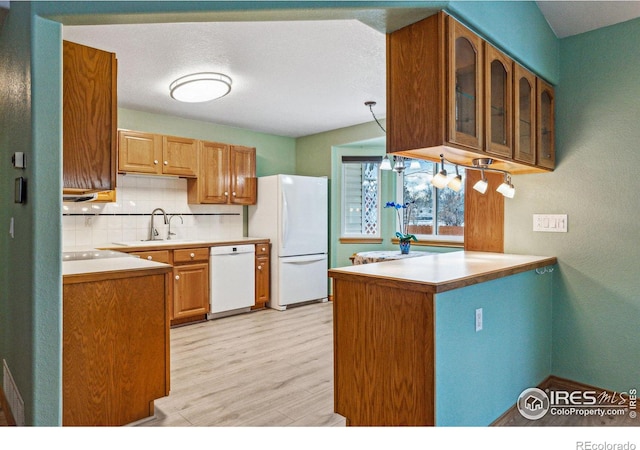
[161, 256]
[262, 249]
[190, 254]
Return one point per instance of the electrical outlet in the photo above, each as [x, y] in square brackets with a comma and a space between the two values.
[478, 319]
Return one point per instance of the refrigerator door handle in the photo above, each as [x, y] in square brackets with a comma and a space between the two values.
[303, 259]
[285, 221]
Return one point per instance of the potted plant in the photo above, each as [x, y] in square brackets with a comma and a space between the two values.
[404, 217]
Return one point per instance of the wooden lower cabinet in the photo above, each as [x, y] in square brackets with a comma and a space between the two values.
[190, 284]
[384, 353]
[263, 275]
[115, 347]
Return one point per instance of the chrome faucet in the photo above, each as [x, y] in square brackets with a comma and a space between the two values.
[153, 233]
[169, 234]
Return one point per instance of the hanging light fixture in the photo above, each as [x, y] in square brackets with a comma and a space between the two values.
[200, 87]
[440, 180]
[385, 164]
[399, 164]
[455, 184]
[415, 164]
[506, 188]
[481, 186]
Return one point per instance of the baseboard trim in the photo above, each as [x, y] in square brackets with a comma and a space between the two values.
[554, 382]
[11, 421]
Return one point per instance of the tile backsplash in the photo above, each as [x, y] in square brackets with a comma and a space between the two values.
[98, 224]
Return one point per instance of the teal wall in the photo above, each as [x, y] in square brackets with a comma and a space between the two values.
[30, 119]
[274, 154]
[518, 28]
[596, 304]
[479, 375]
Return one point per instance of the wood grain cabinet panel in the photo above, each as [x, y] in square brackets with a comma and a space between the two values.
[263, 275]
[545, 142]
[156, 154]
[450, 92]
[115, 358]
[89, 98]
[227, 175]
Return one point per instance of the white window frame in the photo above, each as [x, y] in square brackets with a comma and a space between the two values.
[437, 238]
[343, 200]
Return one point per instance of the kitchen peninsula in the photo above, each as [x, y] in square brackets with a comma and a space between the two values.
[444, 339]
[115, 349]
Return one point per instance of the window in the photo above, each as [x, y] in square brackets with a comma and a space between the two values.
[360, 197]
[437, 214]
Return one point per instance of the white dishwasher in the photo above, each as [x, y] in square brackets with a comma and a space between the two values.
[231, 279]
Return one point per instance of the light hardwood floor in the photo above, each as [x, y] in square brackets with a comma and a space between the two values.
[266, 368]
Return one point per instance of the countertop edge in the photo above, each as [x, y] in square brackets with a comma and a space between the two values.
[150, 268]
[479, 276]
[181, 245]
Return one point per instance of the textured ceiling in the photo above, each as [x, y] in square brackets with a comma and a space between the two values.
[291, 77]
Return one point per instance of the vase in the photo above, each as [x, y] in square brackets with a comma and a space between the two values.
[405, 246]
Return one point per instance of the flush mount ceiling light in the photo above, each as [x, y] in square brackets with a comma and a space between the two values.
[200, 87]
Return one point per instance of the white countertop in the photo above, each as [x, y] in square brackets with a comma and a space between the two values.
[445, 271]
[126, 263]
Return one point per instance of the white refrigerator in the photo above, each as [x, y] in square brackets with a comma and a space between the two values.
[293, 212]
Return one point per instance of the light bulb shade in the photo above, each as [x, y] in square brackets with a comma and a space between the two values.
[385, 164]
[455, 183]
[200, 87]
[481, 186]
[507, 190]
[440, 180]
[399, 164]
[415, 164]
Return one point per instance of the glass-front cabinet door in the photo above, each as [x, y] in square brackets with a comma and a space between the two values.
[546, 127]
[464, 86]
[498, 95]
[524, 122]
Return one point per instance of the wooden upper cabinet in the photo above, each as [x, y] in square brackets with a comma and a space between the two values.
[498, 104]
[89, 119]
[139, 152]
[227, 175]
[212, 184]
[524, 121]
[155, 154]
[451, 92]
[545, 142]
[465, 86]
[180, 156]
[242, 176]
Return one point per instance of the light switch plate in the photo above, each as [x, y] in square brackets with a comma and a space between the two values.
[552, 223]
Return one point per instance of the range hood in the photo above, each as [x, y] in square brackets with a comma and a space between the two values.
[78, 198]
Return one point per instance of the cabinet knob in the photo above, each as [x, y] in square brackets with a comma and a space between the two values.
[234, 194]
[259, 267]
[226, 194]
[155, 161]
[263, 249]
[166, 163]
[193, 255]
[177, 277]
[149, 258]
